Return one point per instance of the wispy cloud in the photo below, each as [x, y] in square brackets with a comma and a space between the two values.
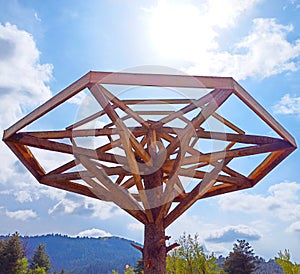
[78, 205]
[264, 52]
[21, 215]
[193, 33]
[287, 105]
[232, 233]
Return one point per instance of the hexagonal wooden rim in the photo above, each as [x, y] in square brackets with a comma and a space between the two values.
[223, 87]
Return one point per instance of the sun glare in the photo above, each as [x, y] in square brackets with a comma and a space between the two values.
[180, 30]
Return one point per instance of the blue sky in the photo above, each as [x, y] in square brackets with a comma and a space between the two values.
[46, 45]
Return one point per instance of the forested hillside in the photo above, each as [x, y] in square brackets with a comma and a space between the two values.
[84, 255]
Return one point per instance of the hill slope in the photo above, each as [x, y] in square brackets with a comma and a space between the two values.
[84, 255]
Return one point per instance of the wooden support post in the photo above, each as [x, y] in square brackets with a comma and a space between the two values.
[155, 250]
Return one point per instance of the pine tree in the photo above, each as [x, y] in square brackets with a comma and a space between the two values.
[11, 255]
[242, 260]
[40, 259]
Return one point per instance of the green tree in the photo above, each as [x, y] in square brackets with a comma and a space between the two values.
[40, 259]
[284, 260]
[189, 257]
[242, 260]
[12, 259]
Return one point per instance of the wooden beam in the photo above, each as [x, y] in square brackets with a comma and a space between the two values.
[269, 163]
[216, 99]
[187, 172]
[160, 80]
[262, 113]
[63, 168]
[65, 148]
[100, 191]
[238, 138]
[123, 106]
[199, 190]
[121, 197]
[56, 100]
[27, 159]
[75, 188]
[193, 105]
[103, 101]
[233, 153]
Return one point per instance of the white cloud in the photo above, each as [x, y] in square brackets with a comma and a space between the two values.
[232, 233]
[93, 233]
[288, 105]
[192, 32]
[22, 78]
[22, 86]
[282, 202]
[21, 215]
[264, 52]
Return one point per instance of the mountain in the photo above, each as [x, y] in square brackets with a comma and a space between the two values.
[84, 255]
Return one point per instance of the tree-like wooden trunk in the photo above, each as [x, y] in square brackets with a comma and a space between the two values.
[154, 251]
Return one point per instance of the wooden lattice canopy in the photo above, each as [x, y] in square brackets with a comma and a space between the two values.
[154, 144]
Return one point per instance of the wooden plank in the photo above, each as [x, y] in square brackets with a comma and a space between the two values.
[56, 100]
[27, 159]
[215, 102]
[129, 183]
[64, 148]
[168, 196]
[86, 120]
[198, 191]
[269, 163]
[238, 138]
[228, 123]
[100, 191]
[76, 188]
[195, 104]
[61, 134]
[63, 168]
[201, 174]
[262, 113]
[216, 99]
[123, 106]
[103, 101]
[238, 152]
[77, 175]
[157, 101]
[161, 80]
[118, 194]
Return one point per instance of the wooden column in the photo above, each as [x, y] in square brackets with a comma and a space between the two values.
[154, 251]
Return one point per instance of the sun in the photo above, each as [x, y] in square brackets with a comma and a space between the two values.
[181, 30]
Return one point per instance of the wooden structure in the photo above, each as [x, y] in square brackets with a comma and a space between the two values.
[149, 148]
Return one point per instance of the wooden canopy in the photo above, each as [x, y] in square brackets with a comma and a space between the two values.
[133, 138]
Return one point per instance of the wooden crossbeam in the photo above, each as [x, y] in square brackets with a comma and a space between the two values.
[238, 152]
[191, 197]
[27, 159]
